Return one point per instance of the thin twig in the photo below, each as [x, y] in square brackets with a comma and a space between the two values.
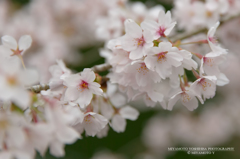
[39, 88]
[202, 30]
[101, 67]
[96, 69]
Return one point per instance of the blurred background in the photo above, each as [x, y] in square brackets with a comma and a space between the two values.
[74, 31]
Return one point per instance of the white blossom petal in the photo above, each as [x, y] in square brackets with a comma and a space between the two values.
[24, 42]
[118, 123]
[9, 42]
[128, 112]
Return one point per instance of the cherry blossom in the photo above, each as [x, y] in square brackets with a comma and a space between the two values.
[118, 122]
[161, 28]
[92, 123]
[15, 48]
[82, 87]
[188, 99]
[13, 80]
[205, 86]
[135, 40]
[213, 42]
[162, 58]
[59, 121]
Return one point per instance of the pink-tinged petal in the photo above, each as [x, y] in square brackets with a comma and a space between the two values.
[57, 148]
[165, 46]
[102, 120]
[94, 124]
[164, 69]
[169, 28]
[5, 52]
[174, 58]
[95, 88]
[167, 19]
[129, 43]
[137, 54]
[189, 101]
[212, 30]
[150, 25]
[173, 100]
[161, 17]
[163, 104]
[67, 135]
[132, 29]
[88, 75]
[25, 42]
[217, 48]
[72, 94]
[103, 132]
[222, 79]
[211, 70]
[115, 44]
[149, 61]
[72, 80]
[128, 112]
[155, 96]
[185, 54]
[211, 78]
[9, 42]
[118, 100]
[189, 64]
[142, 76]
[106, 109]
[148, 101]
[41, 136]
[85, 98]
[196, 88]
[210, 89]
[62, 66]
[118, 123]
[147, 46]
[148, 36]
[155, 77]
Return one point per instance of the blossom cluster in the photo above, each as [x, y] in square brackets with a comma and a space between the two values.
[145, 58]
[58, 116]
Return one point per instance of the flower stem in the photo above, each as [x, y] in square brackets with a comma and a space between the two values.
[22, 62]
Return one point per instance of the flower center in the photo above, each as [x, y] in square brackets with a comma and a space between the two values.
[161, 31]
[204, 84]
[88, 119]
[208, 61]
[140, 41]
[16, 52]
[83, 86]
[209, 14]
[212, 39]
[161, 57]
[143, 69]
[185, 97]
[11, 80]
